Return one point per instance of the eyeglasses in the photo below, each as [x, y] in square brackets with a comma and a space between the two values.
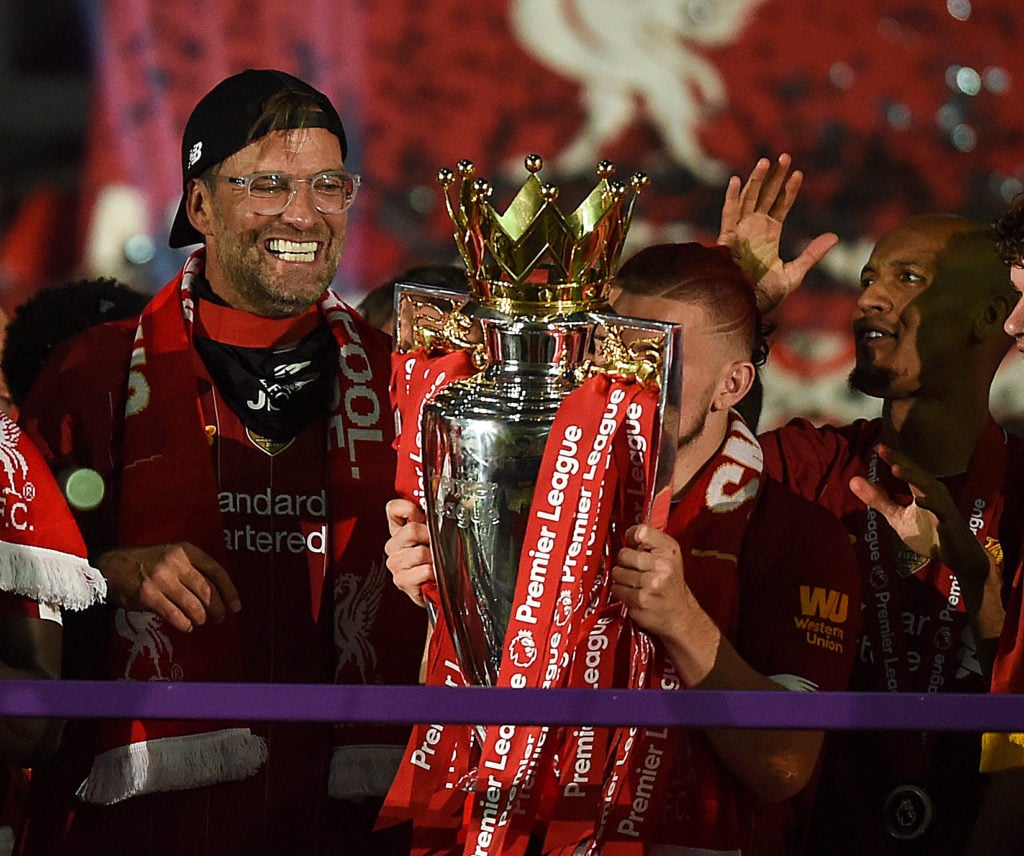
[271, 192]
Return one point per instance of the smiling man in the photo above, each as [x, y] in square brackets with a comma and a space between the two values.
[242, 427]
[928, 328]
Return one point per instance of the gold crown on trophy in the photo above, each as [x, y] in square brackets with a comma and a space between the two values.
[533, 259]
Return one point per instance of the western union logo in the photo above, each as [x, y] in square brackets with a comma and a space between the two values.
[826, 604]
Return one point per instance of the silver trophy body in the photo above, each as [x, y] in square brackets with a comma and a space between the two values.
[538, 323]
[482, 441]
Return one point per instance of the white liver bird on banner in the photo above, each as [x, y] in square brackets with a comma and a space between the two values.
[636, 59]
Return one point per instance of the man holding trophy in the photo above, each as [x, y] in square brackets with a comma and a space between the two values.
[745, 561]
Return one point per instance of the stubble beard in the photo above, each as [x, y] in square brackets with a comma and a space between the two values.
[694, 430]
[244, 264]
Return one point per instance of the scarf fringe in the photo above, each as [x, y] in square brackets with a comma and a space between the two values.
[173, 764]
[363, 771]
[50, 576]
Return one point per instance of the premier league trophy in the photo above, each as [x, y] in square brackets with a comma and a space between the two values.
[536, 427]
[536, 324]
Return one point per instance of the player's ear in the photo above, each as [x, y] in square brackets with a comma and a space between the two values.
[199, 205]
[992, 318]
[734, 383]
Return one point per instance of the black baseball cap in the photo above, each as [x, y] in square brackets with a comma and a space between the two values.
[223, 122]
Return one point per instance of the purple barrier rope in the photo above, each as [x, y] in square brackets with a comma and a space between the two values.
[319, 702]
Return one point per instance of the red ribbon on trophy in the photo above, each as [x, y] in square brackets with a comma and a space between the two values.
[415, 378]
[426, 787]
[559, 566]
[610, 652]
[563, 631]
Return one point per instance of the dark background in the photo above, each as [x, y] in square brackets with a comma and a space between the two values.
[44, 97]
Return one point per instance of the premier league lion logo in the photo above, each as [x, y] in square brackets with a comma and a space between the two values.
[522, 650]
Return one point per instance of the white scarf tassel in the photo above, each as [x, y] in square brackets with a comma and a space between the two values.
[173, 764]
[50, 576]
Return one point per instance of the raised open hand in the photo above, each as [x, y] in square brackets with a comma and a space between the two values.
[752, 217]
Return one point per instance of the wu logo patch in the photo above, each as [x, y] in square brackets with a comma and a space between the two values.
[826, 604]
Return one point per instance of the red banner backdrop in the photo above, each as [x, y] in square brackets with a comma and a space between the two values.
[891, 107]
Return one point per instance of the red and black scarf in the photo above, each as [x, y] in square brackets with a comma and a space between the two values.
[169, 494]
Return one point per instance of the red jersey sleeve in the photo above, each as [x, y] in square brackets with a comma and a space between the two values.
[817, 462]
[16, 606]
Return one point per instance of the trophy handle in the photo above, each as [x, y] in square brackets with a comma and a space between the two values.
[651, 352]
[432, 319]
